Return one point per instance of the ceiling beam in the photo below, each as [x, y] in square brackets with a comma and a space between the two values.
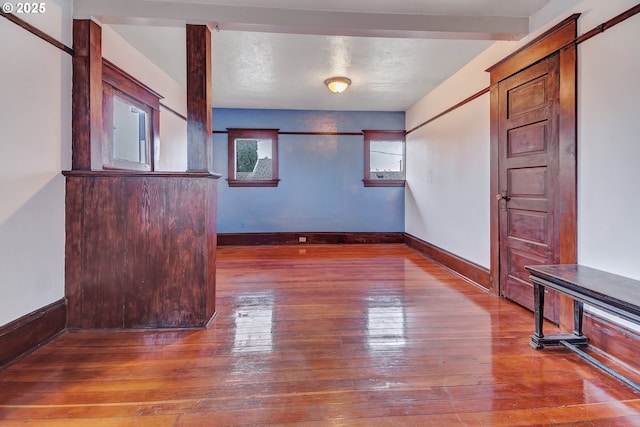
[277, 20]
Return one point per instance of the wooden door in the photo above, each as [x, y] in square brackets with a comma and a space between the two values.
[528, 179]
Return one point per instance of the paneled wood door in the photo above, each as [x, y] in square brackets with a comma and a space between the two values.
[528, 179]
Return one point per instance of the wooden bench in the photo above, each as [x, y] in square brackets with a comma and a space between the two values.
[609, 292]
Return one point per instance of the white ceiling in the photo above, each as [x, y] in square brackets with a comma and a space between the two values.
[277, 53]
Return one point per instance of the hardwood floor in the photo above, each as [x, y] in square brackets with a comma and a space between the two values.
[361, 335]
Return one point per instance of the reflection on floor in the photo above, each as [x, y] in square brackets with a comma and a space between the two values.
[364, 335]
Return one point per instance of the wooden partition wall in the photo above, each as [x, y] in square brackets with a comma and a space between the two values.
[140, 249]
[140, 246]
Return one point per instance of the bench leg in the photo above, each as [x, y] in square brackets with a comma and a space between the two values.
[577, 317]
[538, 314]
[538, 339]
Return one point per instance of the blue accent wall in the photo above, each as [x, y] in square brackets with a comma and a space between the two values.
[321, 176]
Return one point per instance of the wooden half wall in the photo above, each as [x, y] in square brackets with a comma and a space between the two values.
[140, 249]
[140, 245]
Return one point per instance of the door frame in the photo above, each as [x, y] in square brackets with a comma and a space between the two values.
[562, 39]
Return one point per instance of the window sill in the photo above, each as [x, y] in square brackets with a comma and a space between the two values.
[384, 182]
[137, 174]
[127, 165]
[254, 183]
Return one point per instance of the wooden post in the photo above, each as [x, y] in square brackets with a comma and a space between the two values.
[199, 105]
[87, 95]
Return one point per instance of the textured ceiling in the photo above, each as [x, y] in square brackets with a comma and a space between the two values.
[277, 53]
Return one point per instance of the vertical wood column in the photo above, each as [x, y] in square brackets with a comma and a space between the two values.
[568, 171]
[87, 95]
[199, 125]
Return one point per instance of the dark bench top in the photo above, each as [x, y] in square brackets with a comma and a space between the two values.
[610, 292]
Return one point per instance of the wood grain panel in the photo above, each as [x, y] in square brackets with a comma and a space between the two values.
[517, 261]
[528, 225]
[525, 140]
[568, 171]
[29, 332]
[528, 182]
[103, 233]
[199, 99]
[534, 250]
[524, 98]
[74, 248]
[156, 295]
[86, 108]
[523, 293]
[139, 249]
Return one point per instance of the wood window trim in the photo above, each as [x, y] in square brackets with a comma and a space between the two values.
[233, 134]
[370, 135]
[117, 81]
[125, 82]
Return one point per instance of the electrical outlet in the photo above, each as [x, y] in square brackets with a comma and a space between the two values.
[302, 239]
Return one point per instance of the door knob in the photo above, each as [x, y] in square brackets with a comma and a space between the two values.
[502, 196]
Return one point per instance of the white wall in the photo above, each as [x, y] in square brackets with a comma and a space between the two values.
[448, 201]
[35, 146]
[609, 150]
[447, 198]
[173, 129]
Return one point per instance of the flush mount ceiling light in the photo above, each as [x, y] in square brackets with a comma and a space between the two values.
[337, 84]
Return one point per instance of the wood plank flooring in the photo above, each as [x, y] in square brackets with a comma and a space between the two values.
[360, 335]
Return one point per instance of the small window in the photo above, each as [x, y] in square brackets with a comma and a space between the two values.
[130, 121]
[384, 159]
[253, 157]
[131, 130]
